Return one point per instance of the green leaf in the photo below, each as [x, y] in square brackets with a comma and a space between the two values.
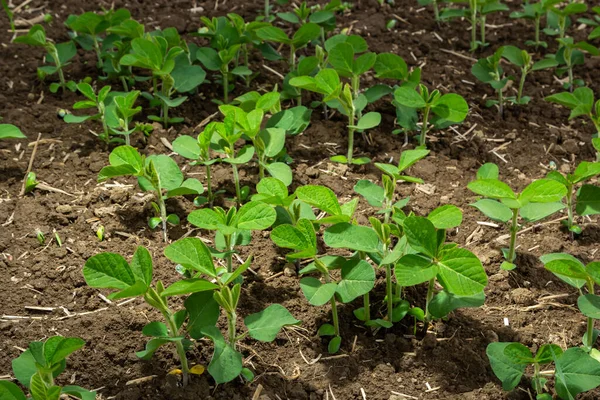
[533, 212]
[409, 157]
[41, 391]
[273, 34]
[492, 188]
[413, 269]
[353, 237]
[488, 171]
[374, 194]
[363, 63]
[368, 121]
[10, 391]
[35, 37]
[494, 210]
[444, 303]
[203, 311]
[300, 237]
[243, 156]
[281, 172]
[226, 363]
[152, 346]
[193, 254]
[421, 235]
[209, 58]
[409, 97]
[390, 66]
[58, 348]
[266, 324]
[169, 174]
[451, 107]
[461, 272]
[79, 392]
[305, 34]
[576, 372]
[188, 286]
[155, 329]
[358, 278]
[321, 197]
[187, 77]
[334, 345]
[316, 292]
[446, 217]
[543, 191]
[506, 368]
[255, 216]
[8, 131]
[141, 265]
[588, 200]
[566, 267]
[108, 270]
[589, 305]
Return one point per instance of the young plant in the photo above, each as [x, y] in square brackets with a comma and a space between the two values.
[156, 173]
[358, 277]
[134, 279]
[60, 54]
[535, 12]
[327, 83]
[168, 64]
[559, 19]
[116, 45]
[436, 8]
[587, 195]
[488, 70]
[99, 102]
[301, 38]
[447, 109]
[322, 16]
[538, 200]
[89, 28]
[571, 54]
[522, 59]
[289, 210]
[432, 260]
[9, 14]
[234, 227]
[382, 197]
[194, 260]
[125, 110]
[9, 131]
[37, 368]
[581, 103]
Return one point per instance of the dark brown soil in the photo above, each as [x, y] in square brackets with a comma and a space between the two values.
[452, 361]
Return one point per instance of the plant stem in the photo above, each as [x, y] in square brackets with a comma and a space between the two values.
[536, 379]
[482, 30]
[570, 207]
[430, 288]
[367, 307]
[334, 316]
[292, 57]
[436, 10]
[571, 79]
[236, 180]
[173, 332]
[500, 104]
[424, 126]
[231, 320]
[473, 5]
[163, 215]
[229, 256]
[124, 83]
[521, 85]
[165, 115]
[514, 228]
[266, 10]
[61, 75]
[351, 137]
[389, 287]
[225, 73]
[97, 49]
[537, 30]
[209, 192]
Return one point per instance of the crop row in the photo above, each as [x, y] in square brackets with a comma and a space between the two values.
[252, 129]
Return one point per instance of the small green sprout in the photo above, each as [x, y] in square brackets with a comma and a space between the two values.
[535, 12]
[38, 367]
[301, 38]
[100, 233]
[581, 103]
[31, 182]
[559, 18]
[40, 237]
[98, 101]
[57, 238]
[488, 70]
[538, 200]
[60, 54]
[9, 14]
[156, 173]
[125, 110]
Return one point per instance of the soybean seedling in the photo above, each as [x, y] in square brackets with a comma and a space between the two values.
[324, 16]
[535, 12]
[559, 19]
[447, 109]
[114, 50]
[301, 38]
[595, 22]
[457, 270]
[204, 308]
[99, 102]
[509, 360]
[38, 367]
[382, 197]
[538, 200]
[327, 82]
[125, 110]
[89, 28]
[134, 279]
[522, 59]
[10, 131]
[156, 173]
[571, 54]
[586, 205]
[581, 103]
[233, 227]
[169, 65]
[60, 54]
[289, 210]
[9, 14]
[488, 70]
[199, 151]
[573, 272]
[358, 277]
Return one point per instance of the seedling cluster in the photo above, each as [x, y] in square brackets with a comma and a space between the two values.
[149, 75]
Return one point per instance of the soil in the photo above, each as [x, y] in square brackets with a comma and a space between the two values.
[449, 363]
